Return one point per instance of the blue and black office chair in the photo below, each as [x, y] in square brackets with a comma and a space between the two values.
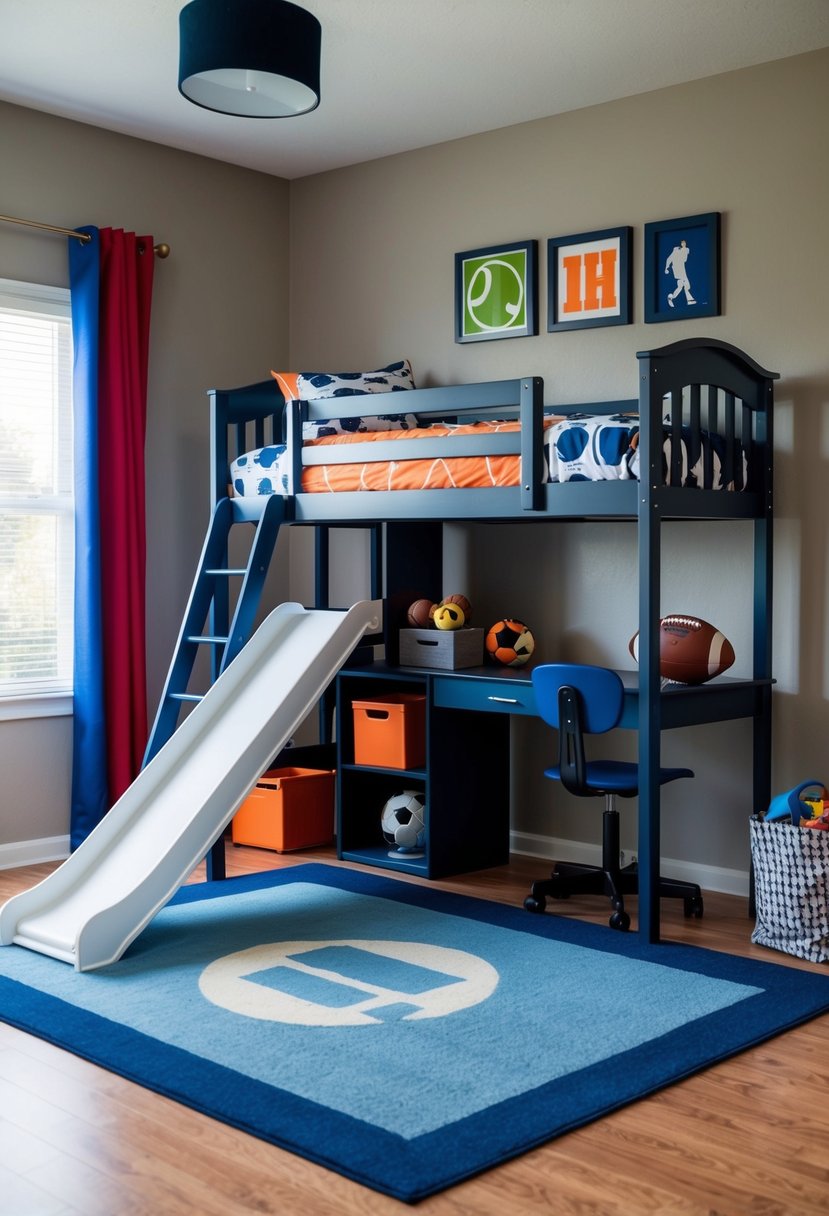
[577, 700]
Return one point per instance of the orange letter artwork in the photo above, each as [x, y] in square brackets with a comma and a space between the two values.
[599, 281]
[572, 293]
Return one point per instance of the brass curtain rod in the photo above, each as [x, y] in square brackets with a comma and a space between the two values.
[162, 251]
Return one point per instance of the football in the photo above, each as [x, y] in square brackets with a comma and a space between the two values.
[691, 650]
[509, 642]
[403, 823]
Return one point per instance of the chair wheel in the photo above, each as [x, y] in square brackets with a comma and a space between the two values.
[693, 906]
[620, 921]
[535, 903]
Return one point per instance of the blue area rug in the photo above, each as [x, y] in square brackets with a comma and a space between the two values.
[402, 1036]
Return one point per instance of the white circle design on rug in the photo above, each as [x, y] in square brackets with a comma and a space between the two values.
[457, 981]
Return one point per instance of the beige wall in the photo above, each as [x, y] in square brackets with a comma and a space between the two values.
[371, 264]
[372, 280]
[220, 308]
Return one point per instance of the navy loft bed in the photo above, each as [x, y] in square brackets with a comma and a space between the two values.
[703, 447]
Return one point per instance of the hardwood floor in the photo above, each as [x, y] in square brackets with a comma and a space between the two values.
[745, 1137]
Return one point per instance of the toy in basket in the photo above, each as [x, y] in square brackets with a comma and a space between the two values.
[807, 805]
[403, 824]
[420, 614]
[449, 616]
[791, 870]
[440, 635]
[452, 612]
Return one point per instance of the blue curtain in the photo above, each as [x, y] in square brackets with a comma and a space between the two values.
[90, 796]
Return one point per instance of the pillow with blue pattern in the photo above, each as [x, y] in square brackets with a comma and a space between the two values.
[319, 386]
[314, 386]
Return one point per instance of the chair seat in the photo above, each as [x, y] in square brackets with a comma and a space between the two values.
[618, 776]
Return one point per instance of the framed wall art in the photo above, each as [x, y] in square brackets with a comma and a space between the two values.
[589, 280]
[682, 268]
[496, 292]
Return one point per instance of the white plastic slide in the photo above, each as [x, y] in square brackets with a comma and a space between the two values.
[89, 910]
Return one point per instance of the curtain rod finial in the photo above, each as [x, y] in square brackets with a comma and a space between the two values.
[162, 250]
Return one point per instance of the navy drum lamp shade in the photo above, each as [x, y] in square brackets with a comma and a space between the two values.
[252, 58]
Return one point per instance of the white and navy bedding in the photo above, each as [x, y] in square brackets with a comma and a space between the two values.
[576, 448]
[585, 447]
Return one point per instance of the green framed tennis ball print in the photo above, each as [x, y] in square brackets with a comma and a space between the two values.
[495, 292]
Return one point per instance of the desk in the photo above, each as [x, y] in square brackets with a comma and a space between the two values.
[512, 692]
[465, 778]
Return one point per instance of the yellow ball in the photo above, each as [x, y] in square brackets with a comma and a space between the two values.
[449, 616]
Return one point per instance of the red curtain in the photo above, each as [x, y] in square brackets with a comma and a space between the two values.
[126, 278]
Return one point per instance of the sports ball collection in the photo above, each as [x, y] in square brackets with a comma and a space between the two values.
[691, 650]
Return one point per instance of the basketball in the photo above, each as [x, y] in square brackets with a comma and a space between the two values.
[420, 614]
[509, 642]
[463, 603]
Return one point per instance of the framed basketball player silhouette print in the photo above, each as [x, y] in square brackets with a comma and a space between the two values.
[588, 280]
[682, 268]
[496, 292]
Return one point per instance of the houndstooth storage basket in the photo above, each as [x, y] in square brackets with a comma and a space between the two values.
[791, 874]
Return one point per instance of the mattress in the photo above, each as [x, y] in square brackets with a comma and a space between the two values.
[576, 448]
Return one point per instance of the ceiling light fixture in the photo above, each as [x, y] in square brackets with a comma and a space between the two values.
[252, 58]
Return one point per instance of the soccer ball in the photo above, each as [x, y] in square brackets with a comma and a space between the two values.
[509, 642]
[403, 824]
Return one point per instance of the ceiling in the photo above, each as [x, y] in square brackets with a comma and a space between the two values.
[396, 74]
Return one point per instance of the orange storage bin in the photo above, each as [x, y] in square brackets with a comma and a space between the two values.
[288, 808]
[390, 731]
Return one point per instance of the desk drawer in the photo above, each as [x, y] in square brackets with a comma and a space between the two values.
[487, 696]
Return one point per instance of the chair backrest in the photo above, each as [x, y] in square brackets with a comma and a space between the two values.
[601, 690]
[577, 699]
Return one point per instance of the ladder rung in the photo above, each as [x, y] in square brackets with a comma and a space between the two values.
[212, 641]
[241, 570]
[185, 696]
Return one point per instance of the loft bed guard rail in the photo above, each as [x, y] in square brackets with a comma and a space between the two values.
[521, 400]
[257, 415]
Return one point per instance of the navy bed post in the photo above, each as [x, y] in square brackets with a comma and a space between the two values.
[322, 580]
[649, 561]
[414, 569]
[763, 602]
[532, 443]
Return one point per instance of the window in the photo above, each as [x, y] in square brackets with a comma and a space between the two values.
[36, 500]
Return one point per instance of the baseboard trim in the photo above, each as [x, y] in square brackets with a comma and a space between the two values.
[32, 852]
[525, 844]
[550, 848]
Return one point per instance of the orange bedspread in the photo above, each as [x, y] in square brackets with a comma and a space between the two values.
[439, 473]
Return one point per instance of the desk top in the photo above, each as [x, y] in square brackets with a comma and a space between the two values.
[720, 699]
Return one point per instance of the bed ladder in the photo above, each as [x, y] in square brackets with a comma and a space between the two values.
[208, 609]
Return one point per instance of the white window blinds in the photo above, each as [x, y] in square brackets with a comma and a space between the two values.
[36, 499]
